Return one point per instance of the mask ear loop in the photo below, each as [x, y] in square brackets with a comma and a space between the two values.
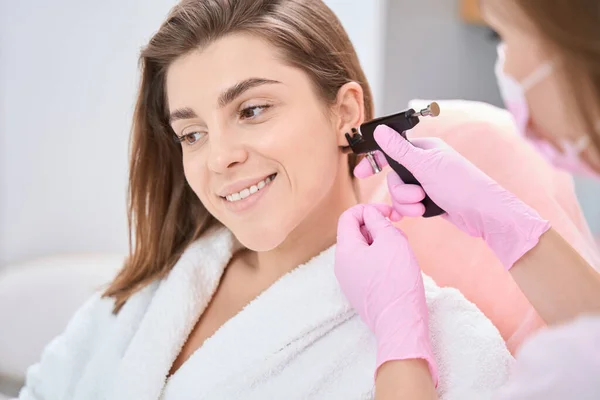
[581, 144]
[537, 76]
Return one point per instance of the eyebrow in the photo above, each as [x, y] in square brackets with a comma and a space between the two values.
[239, 88]
[225, 98]
[182, 113]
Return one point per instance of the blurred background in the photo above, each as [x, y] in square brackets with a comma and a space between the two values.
[68, 78]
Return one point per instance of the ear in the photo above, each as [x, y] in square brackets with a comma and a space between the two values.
[349, 110]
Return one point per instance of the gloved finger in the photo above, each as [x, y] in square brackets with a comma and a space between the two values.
[384, 209]
[398, 148]
[364, 169]
[377, 224]
[403, 193]
[349, 227]
[350, 222]
[395, 216]
[412, 210]
[366, 234]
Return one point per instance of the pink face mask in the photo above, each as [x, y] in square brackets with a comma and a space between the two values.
[513, 94]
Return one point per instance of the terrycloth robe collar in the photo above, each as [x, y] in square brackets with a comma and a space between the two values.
[275, 320]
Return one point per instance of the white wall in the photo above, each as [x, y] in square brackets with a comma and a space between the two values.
[432, 54]
[68, 75]
[588, 193]
[365, 22]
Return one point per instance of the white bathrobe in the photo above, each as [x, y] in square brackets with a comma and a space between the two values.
[300, 339]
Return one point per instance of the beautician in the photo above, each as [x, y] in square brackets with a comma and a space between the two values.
[549, 76]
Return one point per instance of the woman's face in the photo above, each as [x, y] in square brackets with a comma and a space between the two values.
[260, 148]
[551, 117]
[524, 54]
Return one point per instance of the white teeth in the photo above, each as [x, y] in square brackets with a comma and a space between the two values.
[242, 194]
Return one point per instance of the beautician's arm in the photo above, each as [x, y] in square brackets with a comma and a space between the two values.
[557, 281]
[406, 379]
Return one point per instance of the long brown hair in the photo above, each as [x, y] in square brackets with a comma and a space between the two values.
[164, 214]
[571, 31]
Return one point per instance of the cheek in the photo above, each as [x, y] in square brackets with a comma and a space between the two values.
[519, 64]
[549, 113]
[309, 165]
[312, 161]
[196, 175]
[524, 54]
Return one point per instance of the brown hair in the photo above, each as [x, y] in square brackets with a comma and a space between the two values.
[571, 30]
[164, 214]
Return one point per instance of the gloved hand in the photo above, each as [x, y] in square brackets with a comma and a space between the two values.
[474, 202]
[379, 275]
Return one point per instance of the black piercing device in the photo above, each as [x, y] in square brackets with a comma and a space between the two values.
[362, 141]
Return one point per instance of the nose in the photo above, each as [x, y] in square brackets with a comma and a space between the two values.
[225, 152]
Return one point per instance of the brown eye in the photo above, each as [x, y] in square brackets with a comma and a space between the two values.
[192, 138]
[252, 112]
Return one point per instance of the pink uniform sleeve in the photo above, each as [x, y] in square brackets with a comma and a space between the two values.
[558, 363]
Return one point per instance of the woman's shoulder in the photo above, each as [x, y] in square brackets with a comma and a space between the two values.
[448, 298]
[466, 344]
[448, 307]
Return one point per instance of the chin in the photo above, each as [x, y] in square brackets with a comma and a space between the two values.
[260, 240]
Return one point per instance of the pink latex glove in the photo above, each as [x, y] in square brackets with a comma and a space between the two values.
[474, 202]
[379, 275]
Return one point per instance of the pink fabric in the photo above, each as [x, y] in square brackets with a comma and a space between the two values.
[486, 136]
[558, 363]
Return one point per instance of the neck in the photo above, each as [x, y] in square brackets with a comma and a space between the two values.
[315, 234]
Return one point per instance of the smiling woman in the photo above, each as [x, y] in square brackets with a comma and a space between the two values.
[255, 119]
[237, 182]
[233, 74]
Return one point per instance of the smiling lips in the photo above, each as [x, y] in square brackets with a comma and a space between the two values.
[248, 191]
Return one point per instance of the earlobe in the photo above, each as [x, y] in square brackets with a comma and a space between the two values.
[349, 110]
